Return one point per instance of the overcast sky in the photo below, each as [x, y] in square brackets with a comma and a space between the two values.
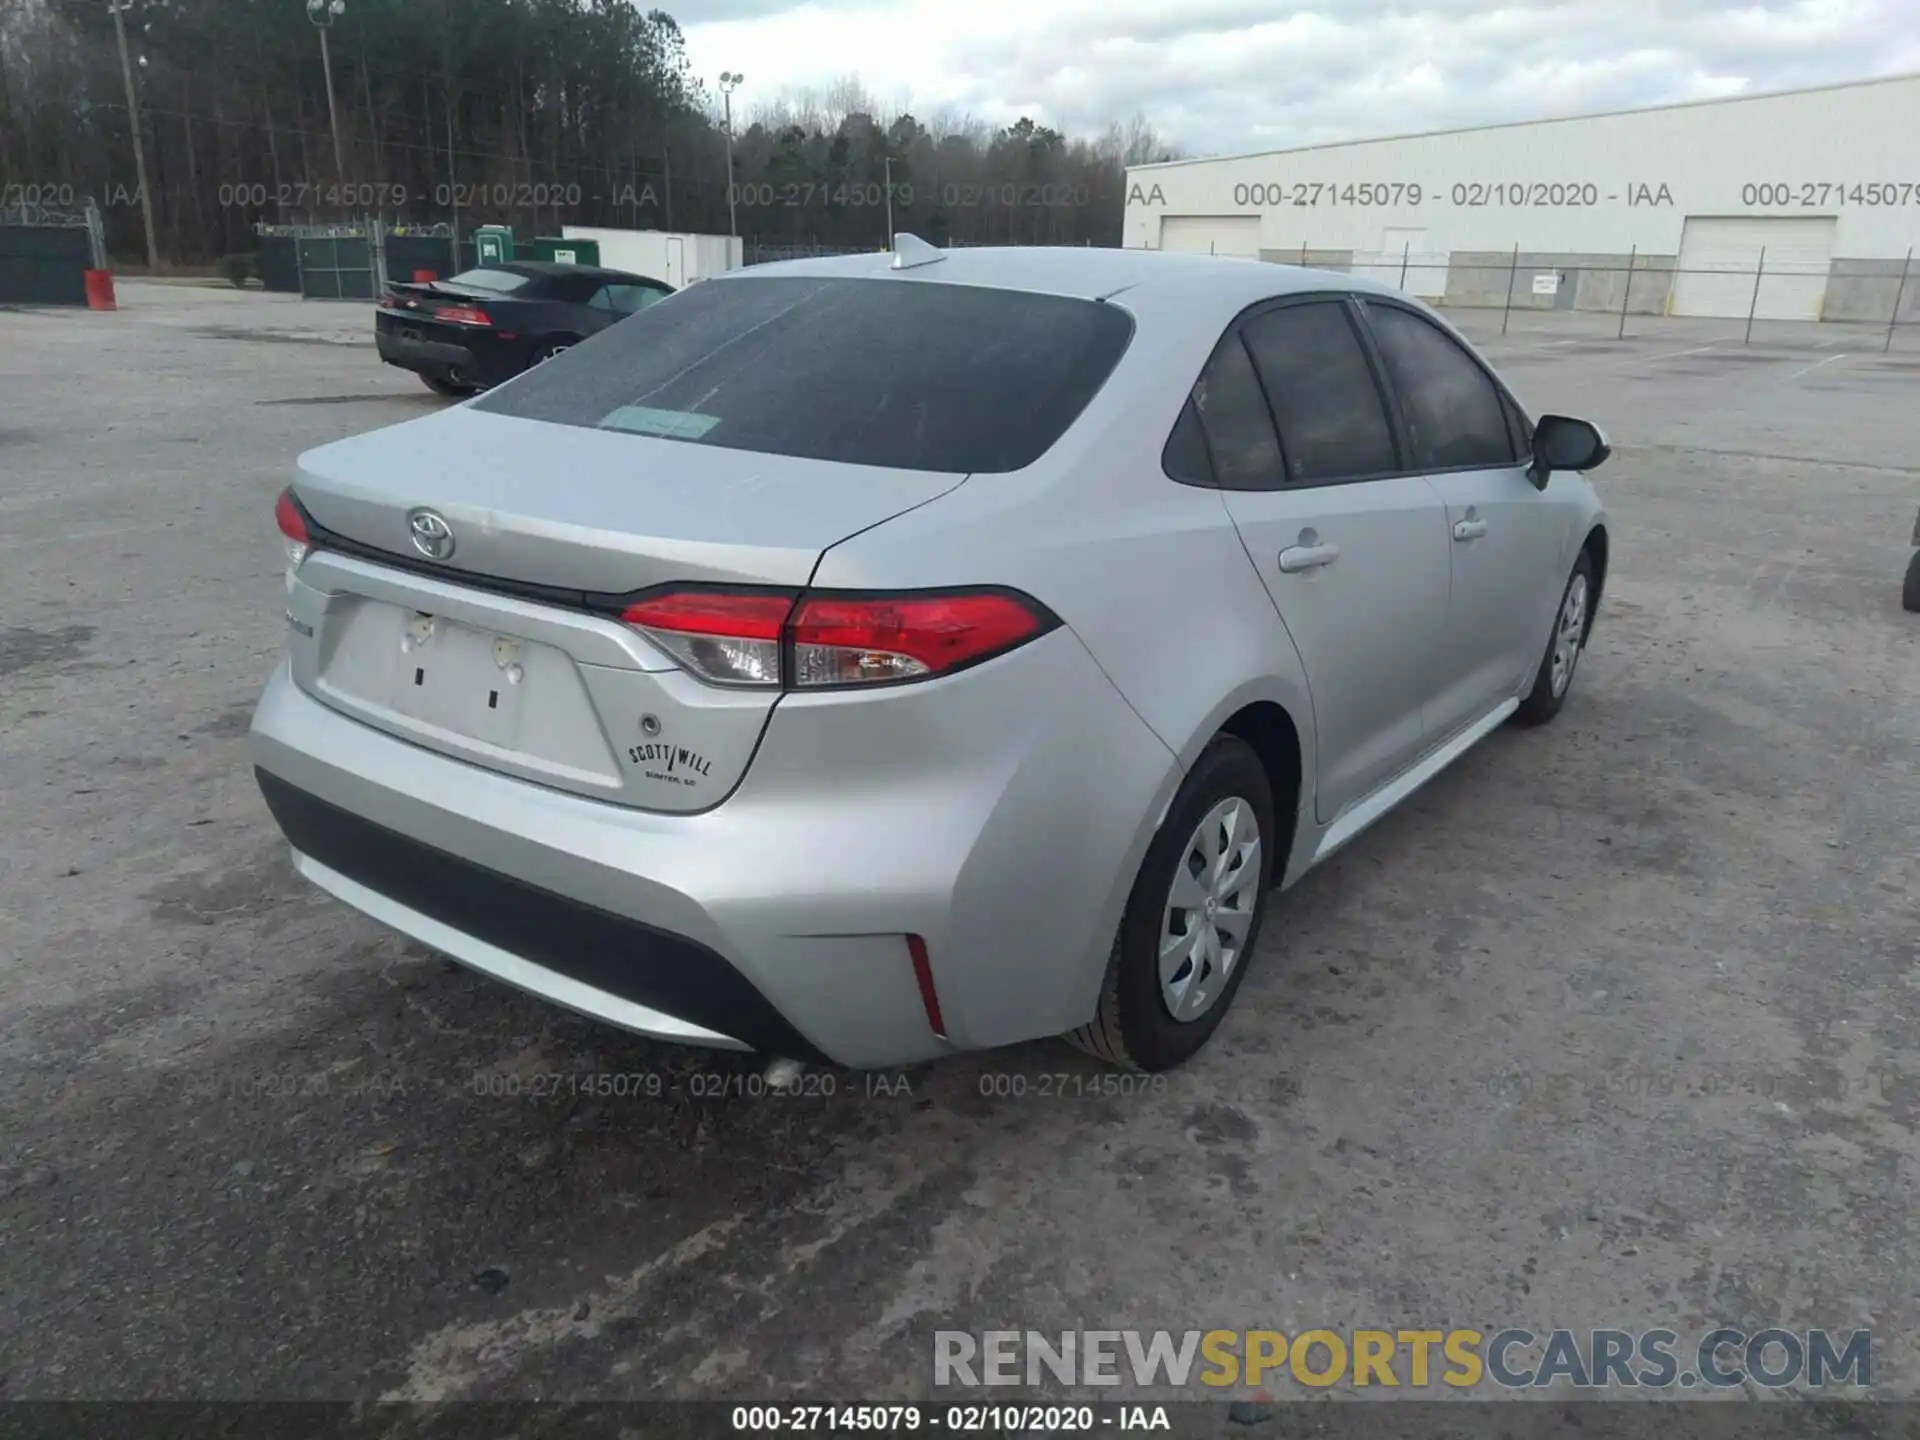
[1218, 76]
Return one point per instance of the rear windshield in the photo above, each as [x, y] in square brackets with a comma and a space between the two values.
[503, 281]
[903, 373]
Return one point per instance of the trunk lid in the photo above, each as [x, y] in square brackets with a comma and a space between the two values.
[494, 651]
[422, 304]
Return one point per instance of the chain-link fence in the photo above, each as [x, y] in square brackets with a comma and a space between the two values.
[45, 254]
[1782, 298]
[754, 251]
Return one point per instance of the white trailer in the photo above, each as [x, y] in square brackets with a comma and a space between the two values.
[675, 257]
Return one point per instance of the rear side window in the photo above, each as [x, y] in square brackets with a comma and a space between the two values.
[910, 374]
[625, 299]
[1239, 430]
[630, 298]
[1185, 458]
[1454, 414]
[1332, 421]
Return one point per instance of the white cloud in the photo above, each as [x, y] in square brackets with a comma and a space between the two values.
[1227, 75]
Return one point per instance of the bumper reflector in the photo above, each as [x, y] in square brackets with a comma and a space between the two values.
[923, 972]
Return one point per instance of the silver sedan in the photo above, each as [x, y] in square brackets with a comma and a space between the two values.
[865, 659]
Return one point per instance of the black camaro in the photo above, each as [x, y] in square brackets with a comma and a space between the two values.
[488, 324]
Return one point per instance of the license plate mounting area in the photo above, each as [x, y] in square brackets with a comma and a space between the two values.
[460, 679]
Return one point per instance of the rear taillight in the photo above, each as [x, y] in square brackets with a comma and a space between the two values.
[828, 640]
[293, 525]
[463, 315]
[293, 529]
[903, 637]
[387, 302]
[724, 637]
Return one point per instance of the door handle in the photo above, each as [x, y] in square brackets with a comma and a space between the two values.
[1469, 529]
[1296, 558]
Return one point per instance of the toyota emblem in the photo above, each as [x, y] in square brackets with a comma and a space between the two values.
[432, 536]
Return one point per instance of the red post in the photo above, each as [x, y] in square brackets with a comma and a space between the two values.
[100, 290]
[424, 277]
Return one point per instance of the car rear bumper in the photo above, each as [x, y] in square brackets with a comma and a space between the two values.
[1000, 816]
[438, 359]
[568, 951]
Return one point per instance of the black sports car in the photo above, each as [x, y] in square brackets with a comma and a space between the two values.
[486, 325]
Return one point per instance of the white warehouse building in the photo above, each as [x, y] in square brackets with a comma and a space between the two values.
[1797, 205]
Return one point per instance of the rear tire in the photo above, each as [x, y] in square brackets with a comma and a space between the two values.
[1201, 854]
[546, 350]
[1553, 681]
[1910, 596]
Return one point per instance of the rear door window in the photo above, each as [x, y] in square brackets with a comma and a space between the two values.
[910, 374]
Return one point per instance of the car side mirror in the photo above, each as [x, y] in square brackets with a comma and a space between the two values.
[1561, 442]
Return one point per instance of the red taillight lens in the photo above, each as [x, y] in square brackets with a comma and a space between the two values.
[287, 516]
[903, 637]
[736, 637]
[463, 315]
[726, 638]
[293, 526]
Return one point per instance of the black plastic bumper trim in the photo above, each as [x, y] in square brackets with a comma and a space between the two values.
[635, 961]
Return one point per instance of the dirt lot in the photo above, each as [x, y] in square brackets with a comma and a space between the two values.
[1614, 1025]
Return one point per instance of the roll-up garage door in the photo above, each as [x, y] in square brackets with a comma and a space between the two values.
[1235, 235]
[1720, 258]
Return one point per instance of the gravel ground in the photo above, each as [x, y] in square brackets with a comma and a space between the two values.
[1612, 1025]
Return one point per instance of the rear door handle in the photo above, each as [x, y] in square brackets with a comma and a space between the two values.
[1296, 558]
[1469, 529]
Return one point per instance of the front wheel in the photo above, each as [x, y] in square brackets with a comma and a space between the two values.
[1192, 917]
[1910, 596]
[1554, 678]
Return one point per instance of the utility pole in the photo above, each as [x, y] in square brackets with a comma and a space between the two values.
[453, 187]
[133, 128]
[323, 13]
[729, 81]
[889, 164]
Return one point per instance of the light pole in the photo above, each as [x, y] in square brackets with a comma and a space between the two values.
[729, 81]
[133, 128]
[323, 13]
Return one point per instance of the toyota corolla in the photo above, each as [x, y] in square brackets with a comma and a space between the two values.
[864, 659]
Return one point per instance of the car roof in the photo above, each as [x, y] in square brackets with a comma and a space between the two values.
[1084, 272]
